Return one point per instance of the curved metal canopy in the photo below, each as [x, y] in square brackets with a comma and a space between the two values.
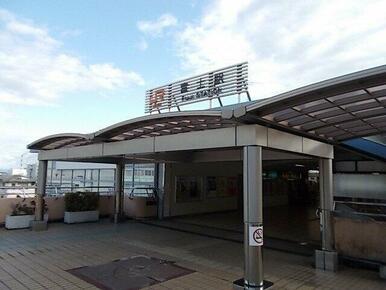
[334, 110]
[142, 127]
[60, 140]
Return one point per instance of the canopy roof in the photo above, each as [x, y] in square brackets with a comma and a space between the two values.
[332, 111]
[142, 127]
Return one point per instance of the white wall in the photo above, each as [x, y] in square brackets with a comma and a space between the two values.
[360, 185]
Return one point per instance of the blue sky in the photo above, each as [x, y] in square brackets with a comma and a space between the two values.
[78, 66]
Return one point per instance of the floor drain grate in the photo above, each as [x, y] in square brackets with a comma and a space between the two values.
[131, 273]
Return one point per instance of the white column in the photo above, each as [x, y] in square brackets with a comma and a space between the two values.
[326, 203]
[119, 191]
[253, 216]
[40, 190]
[326, 258]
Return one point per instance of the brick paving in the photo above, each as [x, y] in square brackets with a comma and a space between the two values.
[39, 260]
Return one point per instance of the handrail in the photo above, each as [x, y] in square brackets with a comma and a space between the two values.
[361, 202]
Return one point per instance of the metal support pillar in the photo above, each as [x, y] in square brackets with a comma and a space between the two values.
[326, 203]
[39, 223]
[253, 220]
[40, 190]
[326, 258]
[159, 184]
[119, 191]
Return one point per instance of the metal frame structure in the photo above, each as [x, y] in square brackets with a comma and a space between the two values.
[331, 111]
[334, 110]
[306, 121]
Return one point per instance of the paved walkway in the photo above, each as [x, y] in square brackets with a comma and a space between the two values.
[39, 260]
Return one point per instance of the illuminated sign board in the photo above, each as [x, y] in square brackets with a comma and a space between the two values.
[232, 80]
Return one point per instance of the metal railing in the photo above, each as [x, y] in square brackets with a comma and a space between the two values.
[371, 209]
[140, 191]
[59, 190]
[17, 191]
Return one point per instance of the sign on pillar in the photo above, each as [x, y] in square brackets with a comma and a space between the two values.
[256, 236]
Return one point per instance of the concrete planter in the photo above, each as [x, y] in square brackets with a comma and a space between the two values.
[18, 221]
[81, 216]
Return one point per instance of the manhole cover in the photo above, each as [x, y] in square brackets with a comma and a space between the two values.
[131, 273]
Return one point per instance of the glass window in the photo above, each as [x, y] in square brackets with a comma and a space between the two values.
[91, 180]
[106, 180]
[55, 180]
[66, 180]
[144, 175]
[78, 178]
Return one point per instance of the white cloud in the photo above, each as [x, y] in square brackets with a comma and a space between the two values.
[142, 45]
[156, 27]
[15, 134]
[287, 43]
[34, 69]
[71, 33]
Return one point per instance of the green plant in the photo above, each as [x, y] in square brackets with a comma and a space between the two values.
[81, 201]
[23, 209]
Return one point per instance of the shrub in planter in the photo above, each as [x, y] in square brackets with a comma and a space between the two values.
[22, 214]
[81, 207]
[23, 209]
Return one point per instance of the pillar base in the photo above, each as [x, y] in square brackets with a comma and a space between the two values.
[326, 260]
[382, 271]
[119, 218]
[38, 226]
[239, 284]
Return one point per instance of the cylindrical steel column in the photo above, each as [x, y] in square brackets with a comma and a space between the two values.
[326, 203]
[159, 184]
[40, 190]
[119, 184]
[253, 217]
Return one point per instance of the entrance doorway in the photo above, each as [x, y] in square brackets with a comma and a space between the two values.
[290, 201]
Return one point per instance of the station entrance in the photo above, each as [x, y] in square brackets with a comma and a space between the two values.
[207, 198]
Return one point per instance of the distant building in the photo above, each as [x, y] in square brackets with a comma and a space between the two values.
[19, 171]
[16, 185]
[32, 171]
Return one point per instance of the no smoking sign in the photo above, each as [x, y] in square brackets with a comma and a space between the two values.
[256, 236]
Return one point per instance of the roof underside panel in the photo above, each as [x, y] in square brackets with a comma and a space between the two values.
[344, 108]
[144, 127]
[60, 140]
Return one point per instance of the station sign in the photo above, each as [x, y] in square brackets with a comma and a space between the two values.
[232, 80]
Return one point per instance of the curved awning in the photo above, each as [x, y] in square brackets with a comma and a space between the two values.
[334, 110]
[142, 127]
[162, 124]
[60, 140]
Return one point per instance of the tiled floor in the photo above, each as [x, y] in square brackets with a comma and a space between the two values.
[39, 260]
[295, 223]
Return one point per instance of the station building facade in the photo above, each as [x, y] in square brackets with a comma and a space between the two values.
[270, 162]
